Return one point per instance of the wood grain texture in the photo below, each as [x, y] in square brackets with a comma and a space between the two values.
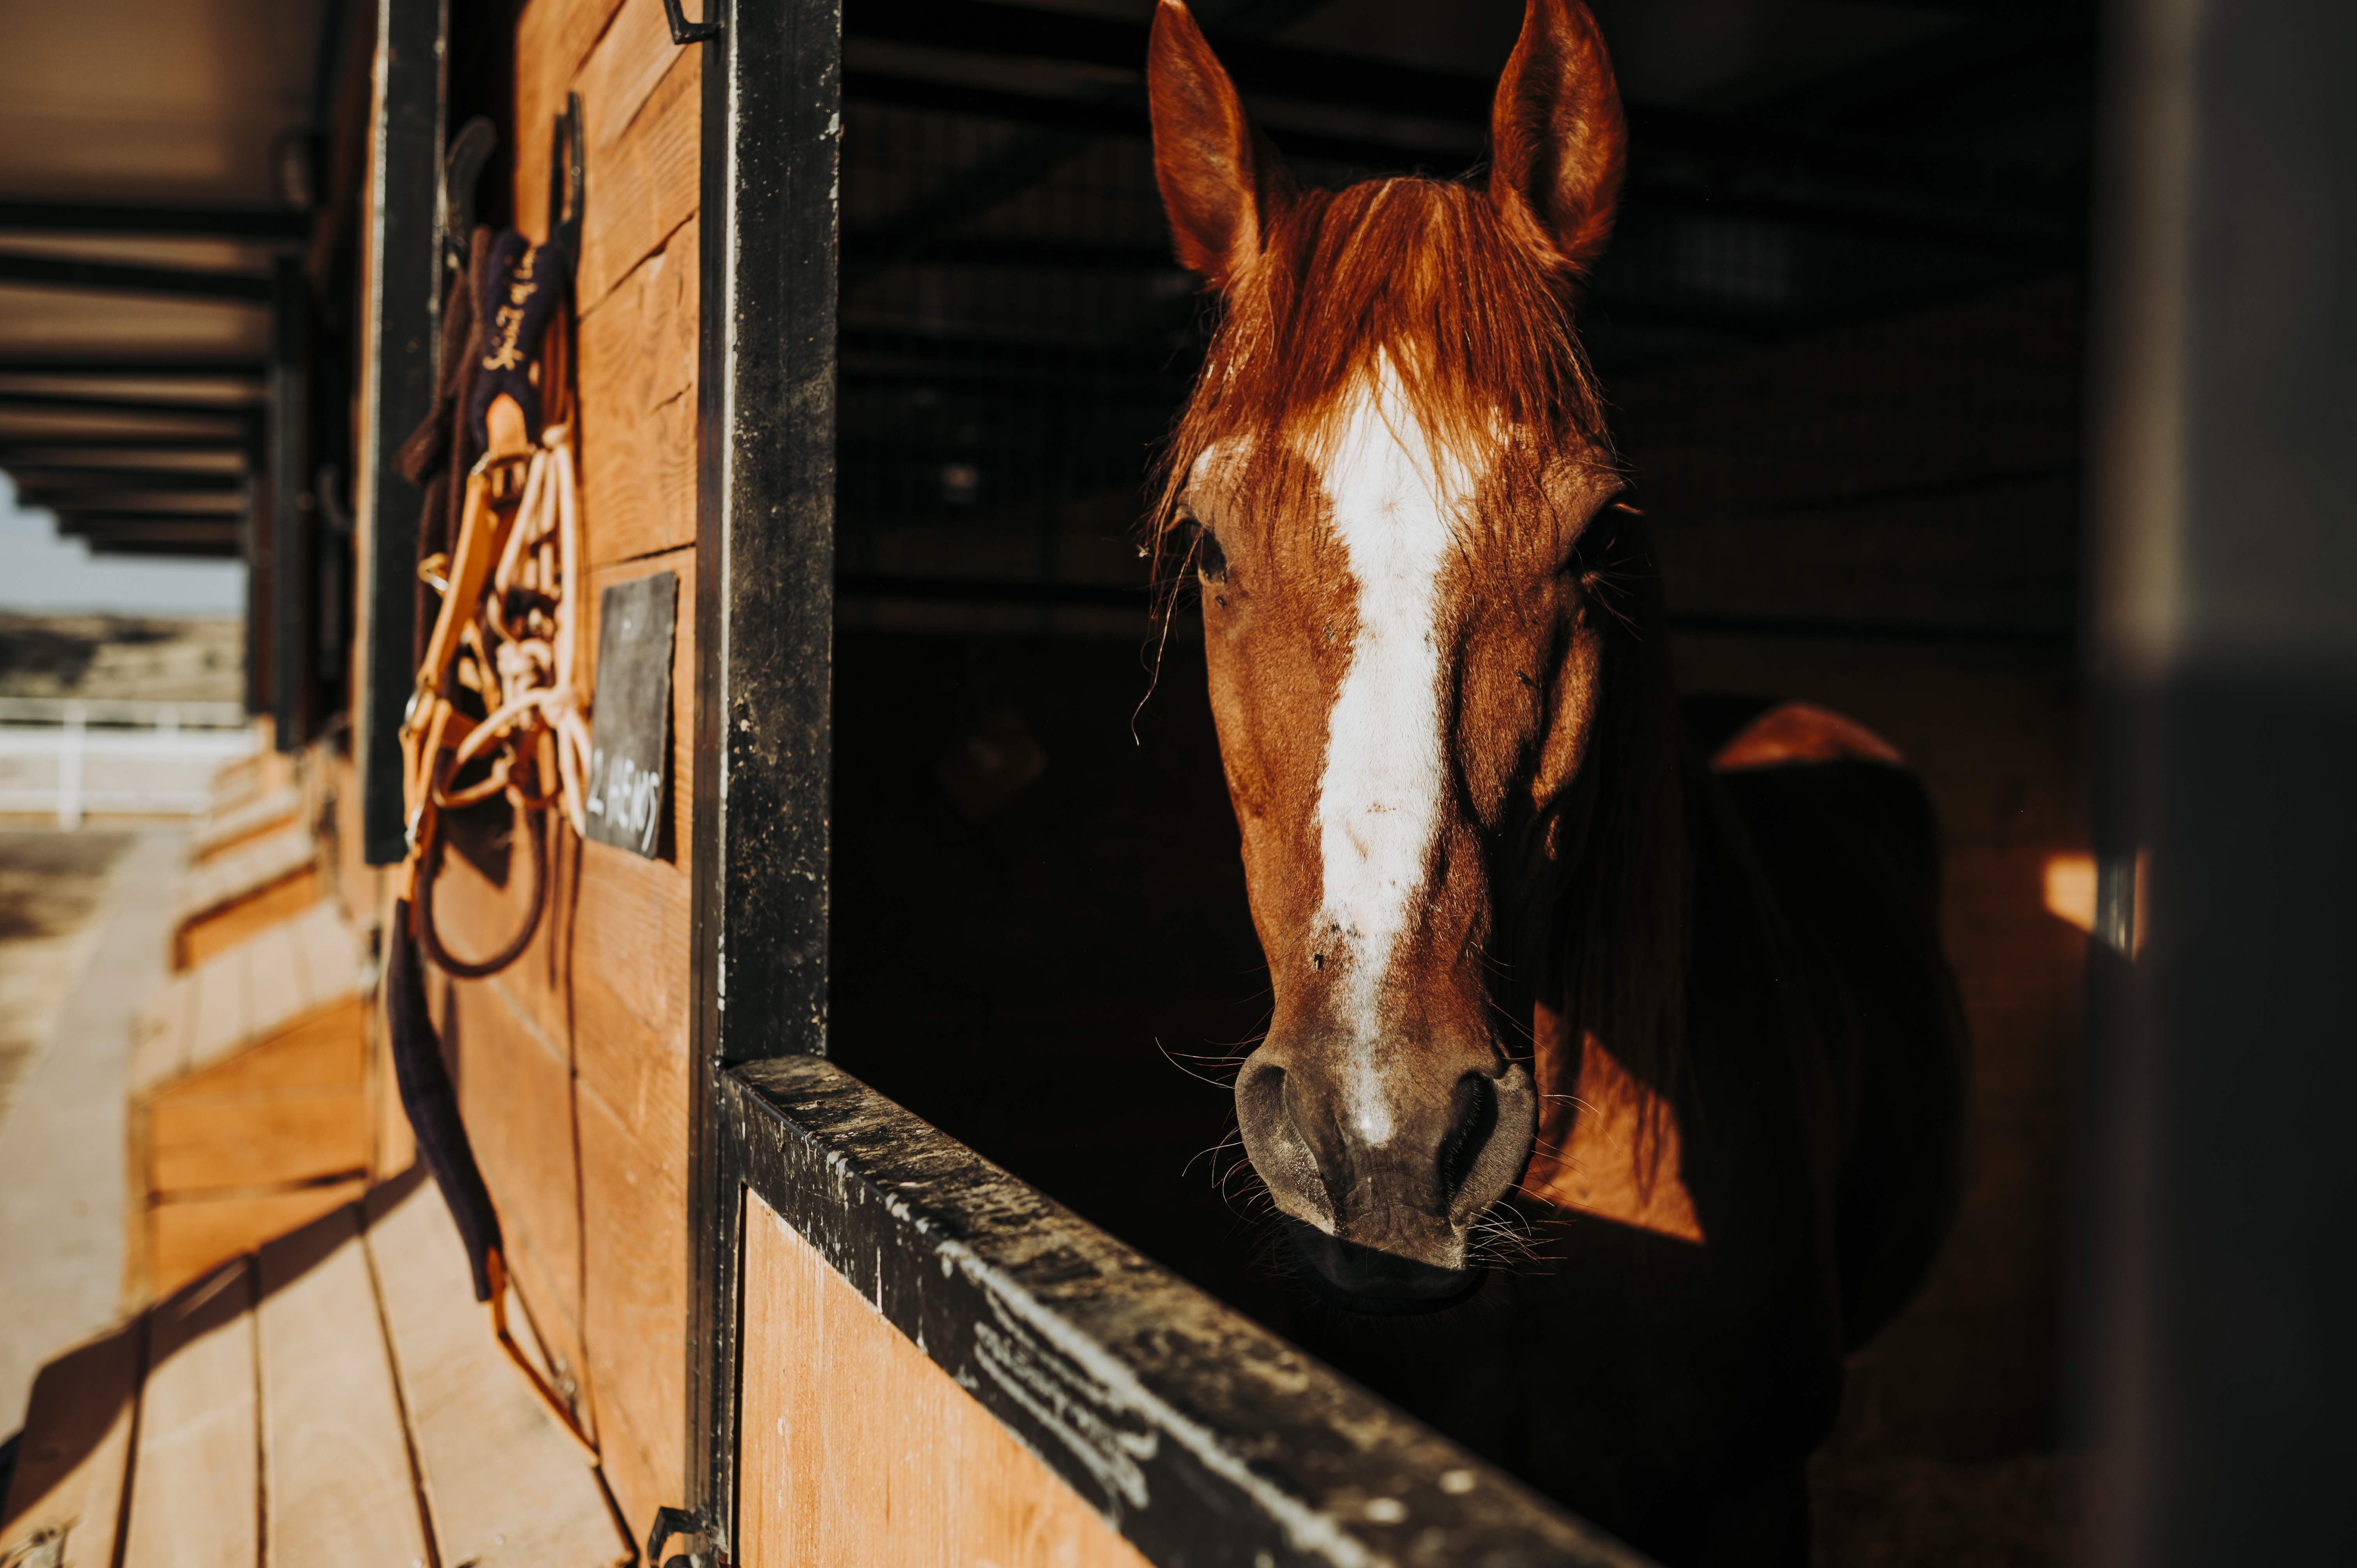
[515, 1091]
[189, 1238]
[553, 39]
[856, 1449]
[623, 72]
[194, 1485]
[328, 1049]
[257, 1143]
[634, 1305]
[200, 937]
[73, 1456]
[234, 877]
[250, 777]
[338, 1486]
[504, 1487]
[245, 993]
[648, 180]
[221, 831]
[638, 401]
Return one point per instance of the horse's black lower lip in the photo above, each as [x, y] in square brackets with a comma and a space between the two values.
[1377, 1283]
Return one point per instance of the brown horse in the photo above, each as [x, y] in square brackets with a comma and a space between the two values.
[1539, 949]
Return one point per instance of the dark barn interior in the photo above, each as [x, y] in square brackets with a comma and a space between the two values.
[1840, 326]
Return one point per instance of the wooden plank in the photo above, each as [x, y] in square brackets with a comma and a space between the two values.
[257, 1142]
[195, 1487]
[327, 1049]
[515, 1091]
[339, 1484]
[331, 953]
[648, 183]
[856, 1449]
[631, 935]
[192, 1237]
[637, 375]
[237, 876]
[623, 72]
[640, 1075]
[503, 1483]
[73, 1456]
[205, 935]
[634, 1307]
[553, 39]
[222, 1016]
[265, 772]
[221, 832]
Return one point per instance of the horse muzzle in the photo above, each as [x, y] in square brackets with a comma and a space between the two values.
[1382, 1203]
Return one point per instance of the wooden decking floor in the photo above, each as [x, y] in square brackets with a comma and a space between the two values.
[334, 1398]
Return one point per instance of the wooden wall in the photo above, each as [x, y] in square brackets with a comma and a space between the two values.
[573, 1064]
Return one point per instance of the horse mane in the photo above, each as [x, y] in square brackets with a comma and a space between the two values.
[1479, 332]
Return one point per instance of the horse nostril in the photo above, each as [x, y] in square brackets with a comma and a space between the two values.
[1471, 1126]
[1277, 1147]
[1493, 1121]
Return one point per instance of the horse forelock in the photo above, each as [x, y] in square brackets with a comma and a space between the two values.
[1415, 277]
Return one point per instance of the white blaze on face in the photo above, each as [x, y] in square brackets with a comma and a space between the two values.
[1379, 804]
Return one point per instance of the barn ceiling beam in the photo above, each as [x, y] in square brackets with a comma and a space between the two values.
[1313, 76]
[2054, 226]
[149, 524]
[142, 408]
[68, 482]
[203, 548]
[133, 502]
[31, 450]
[115, 277]
[1018, 167]
[206, 222]
[240, 369]
[985, 27]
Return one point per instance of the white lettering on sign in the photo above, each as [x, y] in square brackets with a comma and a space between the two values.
[628, 797]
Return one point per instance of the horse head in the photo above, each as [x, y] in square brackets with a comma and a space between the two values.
[1441, 697]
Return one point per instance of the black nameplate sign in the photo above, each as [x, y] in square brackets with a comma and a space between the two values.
[630, 728]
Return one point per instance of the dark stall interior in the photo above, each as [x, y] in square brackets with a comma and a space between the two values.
[1841, 329]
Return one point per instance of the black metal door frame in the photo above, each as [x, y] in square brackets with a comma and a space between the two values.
[403, 329]
[764, 627]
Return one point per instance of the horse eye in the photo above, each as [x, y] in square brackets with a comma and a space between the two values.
[1210, 560]
[1597, 539]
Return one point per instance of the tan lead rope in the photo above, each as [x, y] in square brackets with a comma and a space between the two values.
[508, 628]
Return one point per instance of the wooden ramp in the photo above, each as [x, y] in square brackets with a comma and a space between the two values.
[233, 825]
[333, 1399]
[249, 1105]
[266, 772]
[237, 892]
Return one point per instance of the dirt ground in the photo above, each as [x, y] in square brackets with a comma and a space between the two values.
[117, 656]
[53, 888]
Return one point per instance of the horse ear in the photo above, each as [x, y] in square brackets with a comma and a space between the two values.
[1216, 176]
[1557, 142]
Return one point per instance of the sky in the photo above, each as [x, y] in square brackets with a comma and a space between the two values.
[41, 573]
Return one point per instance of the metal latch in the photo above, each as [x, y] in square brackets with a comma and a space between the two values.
[683, 1525]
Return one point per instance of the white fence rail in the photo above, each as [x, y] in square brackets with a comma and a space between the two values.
[75, 756]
